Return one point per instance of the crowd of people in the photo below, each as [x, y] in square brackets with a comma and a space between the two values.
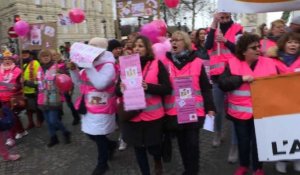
[220, 60]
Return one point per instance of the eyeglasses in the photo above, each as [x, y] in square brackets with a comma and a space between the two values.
[255, 47]
[225, 17]
[176, 40]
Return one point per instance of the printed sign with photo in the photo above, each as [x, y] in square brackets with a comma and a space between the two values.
[130, 8]
[40, 36]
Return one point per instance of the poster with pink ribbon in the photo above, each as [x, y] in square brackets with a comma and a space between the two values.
[132, 78]
[185, 101]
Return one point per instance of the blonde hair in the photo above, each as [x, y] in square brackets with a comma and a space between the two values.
[45, 52]
[186, 39]
[56, 53]
[277, 22]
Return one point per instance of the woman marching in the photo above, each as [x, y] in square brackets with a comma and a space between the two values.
[10, 80]
[240, 71]
[144, 131]
[287, 59]
[183, 63]
[50, 98]
[97, 103]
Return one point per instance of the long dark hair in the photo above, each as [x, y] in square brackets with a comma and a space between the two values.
[149, 52]
[197, 40]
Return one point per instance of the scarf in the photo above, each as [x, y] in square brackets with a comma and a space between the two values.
[287, 58]
[181, 57]
[225, 26]
[273, 38]
[47, 66]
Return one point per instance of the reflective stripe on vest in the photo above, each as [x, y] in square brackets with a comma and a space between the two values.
[153, 107]
[240, 108]
[222, 51]
[218, 65]
[242, 93]
[8, 85]
[172, 105]
[196, 92]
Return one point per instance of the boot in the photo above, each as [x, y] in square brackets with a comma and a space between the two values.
[76, 121]
[30, 121]
[67, 136]
[53, 141]
[158, 168]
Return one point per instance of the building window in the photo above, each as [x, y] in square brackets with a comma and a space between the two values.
[63, 3]
[38, 2]
[82, 4]
[85, 30]
[99, 6]
[74, 3]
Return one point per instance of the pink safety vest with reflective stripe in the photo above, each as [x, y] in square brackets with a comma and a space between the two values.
[154, 109]
[239, 100]
[8, 83]
[192, 69]
[265, 45]
[295, 67]
[48, 93]
[217, 62]
[97, 101]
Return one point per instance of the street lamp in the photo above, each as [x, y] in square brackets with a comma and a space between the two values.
[185, 25]
[139, 21]
[178, 25]
[104, 27]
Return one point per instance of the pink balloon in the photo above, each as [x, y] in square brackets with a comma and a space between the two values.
[171, 3]
[150, 31]
[76, 15]
[63, 82]
[161, 25]
[160, 49]
[21, 28]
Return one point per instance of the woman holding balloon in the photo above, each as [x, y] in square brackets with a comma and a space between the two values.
[50, 97]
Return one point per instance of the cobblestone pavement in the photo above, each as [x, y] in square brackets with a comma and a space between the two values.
[79, 157]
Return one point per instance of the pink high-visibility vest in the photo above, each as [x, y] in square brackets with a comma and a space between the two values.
[265, 45]
[48, 93]
[97, 101]
[239, 100]
[192, 69]
[295, 67]
[8, 83]
[154, 109]
[218, 62]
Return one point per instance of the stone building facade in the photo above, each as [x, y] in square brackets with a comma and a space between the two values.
[99, 17]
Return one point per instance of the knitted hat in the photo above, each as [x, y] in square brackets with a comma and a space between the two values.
[112, 44]
[296, 20]
[99, 42]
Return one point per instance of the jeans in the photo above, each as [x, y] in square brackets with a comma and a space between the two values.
[142, 159]
[219, 100]
[247, 143]
[103, 145]
[53, 122]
